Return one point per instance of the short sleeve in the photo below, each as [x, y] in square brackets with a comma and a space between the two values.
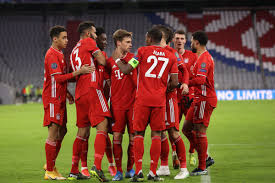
[53, 65]
[91, 45]
[174, 68]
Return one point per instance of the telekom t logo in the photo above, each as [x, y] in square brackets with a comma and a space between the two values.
[118, 74]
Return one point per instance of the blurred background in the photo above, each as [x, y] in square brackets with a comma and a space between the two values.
[241, 38]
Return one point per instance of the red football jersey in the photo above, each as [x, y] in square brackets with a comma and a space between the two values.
[156, 63]
[205, 67]
[54, 92]
[83, 54]
[190, 58]
[123, 87]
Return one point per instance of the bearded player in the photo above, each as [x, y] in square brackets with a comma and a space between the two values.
[205, 99]
[91, 105]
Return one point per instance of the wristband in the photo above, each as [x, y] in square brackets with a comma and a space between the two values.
[179, 85]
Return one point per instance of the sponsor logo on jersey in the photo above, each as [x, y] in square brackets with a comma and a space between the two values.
[202, 70]
[186, 60]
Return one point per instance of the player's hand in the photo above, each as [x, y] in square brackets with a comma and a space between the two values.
[184, 88]
[116, 54]
[70, 98]
[86, 69]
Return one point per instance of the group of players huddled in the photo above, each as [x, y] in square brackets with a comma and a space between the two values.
[156, 86]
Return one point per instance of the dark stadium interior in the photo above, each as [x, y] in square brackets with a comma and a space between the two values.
[244, 57]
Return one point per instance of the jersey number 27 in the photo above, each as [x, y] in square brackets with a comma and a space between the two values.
[155, 63]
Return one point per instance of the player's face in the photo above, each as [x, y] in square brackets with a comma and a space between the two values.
[179, 40]
[101, 41]
[126, 44]
[61, 40]
[194, 44]
[92, 33]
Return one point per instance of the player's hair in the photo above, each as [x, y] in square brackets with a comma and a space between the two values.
[99, 31]
[167, 32]
[84, 26]
[155, 34]
[180, 31]
[201, 37]
[120, 34]
[56, 30]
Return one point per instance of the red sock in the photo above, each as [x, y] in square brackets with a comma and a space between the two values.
[201, 147]
[58, 146]
[84, 153]
[172, 144]
[138, 152]
[100, 145]
[117, 154]
[164, 152]
[131, 157]
[77, 150]
[155, 153]
[50, 148]
[191, 137]
[108, 150]
[181, 151]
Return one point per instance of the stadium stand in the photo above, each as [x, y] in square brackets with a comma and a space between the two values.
[232, 42]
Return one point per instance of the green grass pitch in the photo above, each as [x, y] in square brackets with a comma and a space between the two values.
[241, 139]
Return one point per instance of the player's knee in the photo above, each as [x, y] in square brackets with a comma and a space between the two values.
[155, 133]
[174, 134]
[163, 135]
[83, 132]
[117, 136]
[139, 133]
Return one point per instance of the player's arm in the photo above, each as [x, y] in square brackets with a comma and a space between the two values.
[126, 68]
[100, 58]
[201, 74]
[85, 69]
[173, 82]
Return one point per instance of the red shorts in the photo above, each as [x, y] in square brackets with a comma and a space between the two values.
[55, 113]
[121, 119]
[172, 114]
[91, 108]
[144, 115]
[201, 112]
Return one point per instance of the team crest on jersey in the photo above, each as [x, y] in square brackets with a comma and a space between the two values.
[54, 65]
[203, 65]
[186, 60]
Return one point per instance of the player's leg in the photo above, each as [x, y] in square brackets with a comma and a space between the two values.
[180, 148]
[139, 151]
[140, 121]
[79, 143]
[50, 148]
[117, 149]
[157, 124]
[164, 168]
[98, 114]
[187, 131]
[202, 113]
[131, 157]
[109, 154]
